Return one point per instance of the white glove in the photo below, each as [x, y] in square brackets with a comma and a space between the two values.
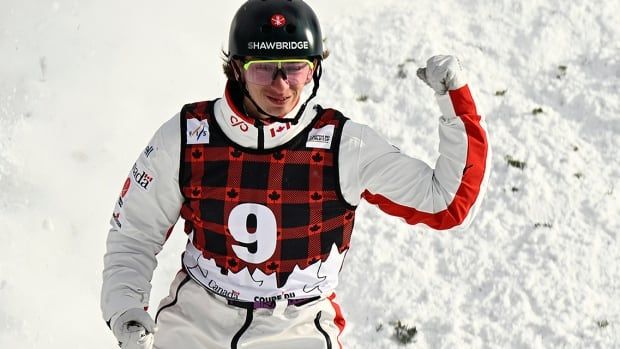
[442, 73]
[134, 329]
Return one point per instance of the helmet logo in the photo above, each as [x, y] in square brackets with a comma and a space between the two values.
[278, 21]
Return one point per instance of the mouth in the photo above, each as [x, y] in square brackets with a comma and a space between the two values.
[278, 100]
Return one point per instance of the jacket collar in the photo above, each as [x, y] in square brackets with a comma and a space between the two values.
[241, 129]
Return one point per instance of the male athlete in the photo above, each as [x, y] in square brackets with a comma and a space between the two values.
[267, 182]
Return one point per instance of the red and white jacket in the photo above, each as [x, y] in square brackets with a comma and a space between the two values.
[442, 197]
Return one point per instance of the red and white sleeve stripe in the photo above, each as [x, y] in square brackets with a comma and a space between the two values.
[443, 197]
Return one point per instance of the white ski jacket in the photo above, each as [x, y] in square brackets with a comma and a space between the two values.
[444, 197]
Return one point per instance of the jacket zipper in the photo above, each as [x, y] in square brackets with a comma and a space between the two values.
[261, 134]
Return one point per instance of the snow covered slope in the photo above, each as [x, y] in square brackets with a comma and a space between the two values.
[86, 83]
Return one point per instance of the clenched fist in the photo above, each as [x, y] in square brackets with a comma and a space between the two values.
[134, 329]
[442, 73]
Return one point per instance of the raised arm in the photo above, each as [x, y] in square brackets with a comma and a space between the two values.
[443, 197]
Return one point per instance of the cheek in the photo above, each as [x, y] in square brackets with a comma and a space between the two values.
[253, 90]
[299, 89]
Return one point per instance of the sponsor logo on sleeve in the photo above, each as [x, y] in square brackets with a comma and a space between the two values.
[141, 177]
[124, 192]
[148, 150]
[321, 137]
[197, 131]
[116, 216]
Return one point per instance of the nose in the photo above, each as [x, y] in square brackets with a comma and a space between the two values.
[280, 81]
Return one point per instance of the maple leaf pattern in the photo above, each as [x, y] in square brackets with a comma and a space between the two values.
[278, 155]
[272, 266]
[236, 153]
[196, 191]
[316, 196]
[317, 157]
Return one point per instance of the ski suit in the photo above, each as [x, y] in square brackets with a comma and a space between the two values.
[269, 212]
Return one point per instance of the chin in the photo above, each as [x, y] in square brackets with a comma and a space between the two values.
[279, 110]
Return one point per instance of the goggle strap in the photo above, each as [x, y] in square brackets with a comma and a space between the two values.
[316, 77]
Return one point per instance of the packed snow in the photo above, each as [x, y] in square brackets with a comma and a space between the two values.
[86, 83]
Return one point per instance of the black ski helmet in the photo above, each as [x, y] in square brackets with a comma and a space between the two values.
[275, 28]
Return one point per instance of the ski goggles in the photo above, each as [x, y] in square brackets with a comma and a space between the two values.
[263, 72]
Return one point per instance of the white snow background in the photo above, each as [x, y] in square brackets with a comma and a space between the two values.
[84, 84]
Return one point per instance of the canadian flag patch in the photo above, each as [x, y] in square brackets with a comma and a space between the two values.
[321, 137]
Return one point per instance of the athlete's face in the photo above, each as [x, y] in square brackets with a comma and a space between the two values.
[276, 96]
